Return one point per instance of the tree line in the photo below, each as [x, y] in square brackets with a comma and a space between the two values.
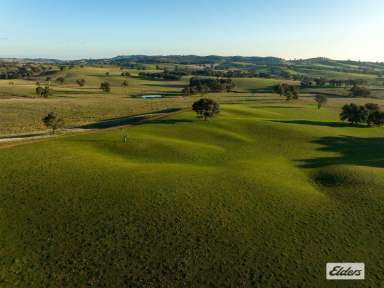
[207, 85]
[166, 75]
[369, 114]
[230, 73]
[24, 71]
[307, 82]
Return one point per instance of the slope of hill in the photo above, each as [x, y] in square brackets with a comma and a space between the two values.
[261, 196]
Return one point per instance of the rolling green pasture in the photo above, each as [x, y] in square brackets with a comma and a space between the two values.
[330, 74]
[258, 84]
[21, 110]
[261, 196]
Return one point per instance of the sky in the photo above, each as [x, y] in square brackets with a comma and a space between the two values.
[69, 29]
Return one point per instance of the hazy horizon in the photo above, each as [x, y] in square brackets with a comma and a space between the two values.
[343, 30]
[170, 55]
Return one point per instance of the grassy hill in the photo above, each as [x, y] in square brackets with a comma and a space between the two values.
[263, 196]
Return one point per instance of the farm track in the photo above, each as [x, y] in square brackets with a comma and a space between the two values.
[22, 138]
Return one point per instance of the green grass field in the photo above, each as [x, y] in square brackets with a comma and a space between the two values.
[21, 110]
[263, 195]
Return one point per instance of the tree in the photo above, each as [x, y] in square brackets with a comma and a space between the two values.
[105, 86]
[321, 100]
[289, 91]
[44, 92]
[125, 83]
[320, 81]
[369, 113]
[60, 80]
[357, 91]
[372, 107]
[279, 89]
[53, 122]
[206, 108]
[106, 73]
[80, 82]
[374, 114]
[306, 82]
[354, 114]
[39, 91]
[376, 118]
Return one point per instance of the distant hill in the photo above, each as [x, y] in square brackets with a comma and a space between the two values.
[194, 59]
[33, 60]
[273, 66]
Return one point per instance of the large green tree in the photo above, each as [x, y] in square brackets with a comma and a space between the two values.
[355, 114]
[206, 108]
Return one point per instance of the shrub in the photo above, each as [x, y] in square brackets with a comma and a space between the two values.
[105, 86]
[52, 121]
[321, 100]
[80, 82]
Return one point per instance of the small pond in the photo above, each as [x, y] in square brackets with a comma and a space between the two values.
[152, 96]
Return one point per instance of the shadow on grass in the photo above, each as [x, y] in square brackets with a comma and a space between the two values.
[330, 94]
[352, 150]
[281, 107]
[166, 85]
[25, 135]
[77, 92]
[134, 119]
[169, 121]
[319, 123]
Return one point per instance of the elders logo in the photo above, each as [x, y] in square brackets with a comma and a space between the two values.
[345, 271]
